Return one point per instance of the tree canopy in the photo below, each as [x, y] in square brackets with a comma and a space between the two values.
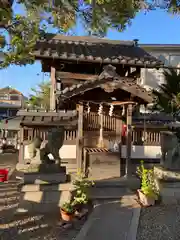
[19, 30]
[167, 97]
[40, 97]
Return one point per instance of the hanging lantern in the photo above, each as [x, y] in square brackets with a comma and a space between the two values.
[111, 110]
[100, 110]
[88, 108]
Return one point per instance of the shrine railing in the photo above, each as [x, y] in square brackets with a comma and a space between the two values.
[142, 134]
[150, 136]
[69, 138]
[146, 136]
[91, 122]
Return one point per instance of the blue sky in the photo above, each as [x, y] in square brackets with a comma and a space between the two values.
[154, 27]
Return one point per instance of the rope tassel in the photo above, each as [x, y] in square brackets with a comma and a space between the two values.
[111, 110]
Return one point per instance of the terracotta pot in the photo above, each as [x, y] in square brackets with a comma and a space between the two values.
[66, 216]
[145, 200]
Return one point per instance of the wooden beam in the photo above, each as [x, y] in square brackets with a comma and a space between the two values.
[129, 140]
[119, 140]
[75, 76]
[120, 103]
[21, 149]
[79, 144]
[61, 114]
[101, 139]
[53, 89]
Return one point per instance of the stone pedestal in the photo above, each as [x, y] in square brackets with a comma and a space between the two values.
[44, 188]
[168, 184]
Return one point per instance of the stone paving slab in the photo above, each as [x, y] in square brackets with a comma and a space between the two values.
[34, 227]
[112, 220]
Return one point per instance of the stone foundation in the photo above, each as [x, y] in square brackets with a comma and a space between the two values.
[168, 184]
[44, 189]
[44, 178]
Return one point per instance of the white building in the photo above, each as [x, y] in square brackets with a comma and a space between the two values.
[168, 53]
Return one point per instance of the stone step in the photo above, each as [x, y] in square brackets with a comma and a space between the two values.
[46, 187]
[40, 168]
[44, 178]
[170, 184]
[41, 208]
[108, 193]
[42, 202]
[127, 182]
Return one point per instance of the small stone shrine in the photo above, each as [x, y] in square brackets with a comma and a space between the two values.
[168, 173]
[44, 179]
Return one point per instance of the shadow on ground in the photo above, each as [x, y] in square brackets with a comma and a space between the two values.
[31, 226]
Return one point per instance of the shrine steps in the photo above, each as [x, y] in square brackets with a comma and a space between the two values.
[43, 191]
[38, 198]
[108, 193]
[114, 189]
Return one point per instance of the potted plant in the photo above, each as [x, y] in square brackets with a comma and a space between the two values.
[67, 211]
[80, 199]
[81, 191]
[148, 193]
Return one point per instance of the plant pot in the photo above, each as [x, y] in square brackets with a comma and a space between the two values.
[66, 216]
[145, 200]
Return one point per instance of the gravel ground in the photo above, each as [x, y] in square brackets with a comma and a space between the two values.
[159, 223]
[38, 227]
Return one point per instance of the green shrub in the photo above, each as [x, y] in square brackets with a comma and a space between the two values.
[148, 186]
[82, 185]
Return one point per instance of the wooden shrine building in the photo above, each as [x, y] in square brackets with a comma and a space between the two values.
[98, 78]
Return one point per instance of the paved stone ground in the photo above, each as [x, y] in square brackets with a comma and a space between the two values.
[159, 223]
[111, 220]
[30, 227]
[8, 159]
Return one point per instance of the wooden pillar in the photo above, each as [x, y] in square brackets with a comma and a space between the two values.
[101, 140]
[79, 145]
[21, 148]
[119, 139]
[52, 90]
[129, 140]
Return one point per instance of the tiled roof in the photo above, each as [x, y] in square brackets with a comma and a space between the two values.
[111, 77]
[9, 90]
[44, 118]
[91, 49]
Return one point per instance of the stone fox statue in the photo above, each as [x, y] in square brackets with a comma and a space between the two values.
[39, 150]
[54, 143]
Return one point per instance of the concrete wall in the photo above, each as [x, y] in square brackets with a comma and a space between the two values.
[66, 152]
[143, 152]
[139, 152]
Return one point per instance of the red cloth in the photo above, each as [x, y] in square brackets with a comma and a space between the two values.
[4, 175]
[124, 130]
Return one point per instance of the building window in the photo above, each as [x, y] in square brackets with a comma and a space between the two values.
[13, 112]
[174, 60]
[4, 97]
[14, 98]
[3, 112]
[163, 59]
